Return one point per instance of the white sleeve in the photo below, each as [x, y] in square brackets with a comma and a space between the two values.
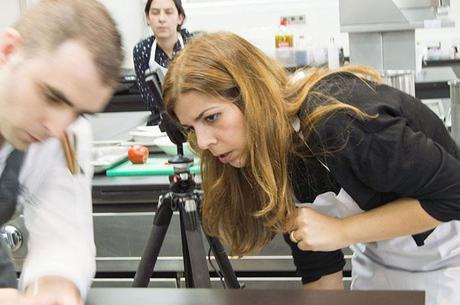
[58, 214]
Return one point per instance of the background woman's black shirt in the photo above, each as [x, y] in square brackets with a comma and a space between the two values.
[141, 58]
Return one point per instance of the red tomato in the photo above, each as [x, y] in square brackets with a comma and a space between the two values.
[138, 154]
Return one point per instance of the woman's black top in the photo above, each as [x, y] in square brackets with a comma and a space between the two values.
[405, 151]
[141, 57]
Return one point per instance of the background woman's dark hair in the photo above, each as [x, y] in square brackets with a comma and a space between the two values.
[177, 3]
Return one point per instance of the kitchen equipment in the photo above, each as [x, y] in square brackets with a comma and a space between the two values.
[284, 44]
[455, 109]
[381, 33]
[123, 209]
[155, 165]
[184, 198]
[403, 80]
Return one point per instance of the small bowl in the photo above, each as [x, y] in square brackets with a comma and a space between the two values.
[169, 148]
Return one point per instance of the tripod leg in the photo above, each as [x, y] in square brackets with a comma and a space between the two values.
[160, 226]
[197, 256]
[186, 256]
[223, 262]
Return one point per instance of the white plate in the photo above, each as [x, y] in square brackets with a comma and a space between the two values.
[107, 156]
[106, 143]
[169, 148]
[146, 134]
[143, 137]
[154, 130]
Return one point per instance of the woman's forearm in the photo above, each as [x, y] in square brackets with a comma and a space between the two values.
[401, 217]
[56, 290]
[327, 282]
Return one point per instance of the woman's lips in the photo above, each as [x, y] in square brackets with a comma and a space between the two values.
[225, 158]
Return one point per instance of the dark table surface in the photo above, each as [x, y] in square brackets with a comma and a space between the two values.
[145, 296]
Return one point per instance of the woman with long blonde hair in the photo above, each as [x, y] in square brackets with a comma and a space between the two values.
[335, 158]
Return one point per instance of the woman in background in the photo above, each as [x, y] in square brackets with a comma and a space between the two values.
[373, 168]
[165, 18]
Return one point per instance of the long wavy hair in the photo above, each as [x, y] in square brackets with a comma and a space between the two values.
[246, 207]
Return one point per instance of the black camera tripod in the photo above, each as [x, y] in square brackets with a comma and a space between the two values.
[183, 197]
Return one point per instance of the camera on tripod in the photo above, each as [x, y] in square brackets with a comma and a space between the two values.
[154, 79]
[185, 198]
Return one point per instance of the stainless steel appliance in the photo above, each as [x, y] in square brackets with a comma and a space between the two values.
[455, 109]
[123, 213]
[382, 32]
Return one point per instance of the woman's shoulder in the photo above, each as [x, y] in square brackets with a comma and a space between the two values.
[144, 44]
[345, 100]
[335, 87]
[186, 35]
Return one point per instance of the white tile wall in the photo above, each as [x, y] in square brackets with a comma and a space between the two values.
[258, 20]
[129, 15]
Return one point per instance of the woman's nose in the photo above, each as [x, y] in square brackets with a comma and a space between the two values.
[205, 138]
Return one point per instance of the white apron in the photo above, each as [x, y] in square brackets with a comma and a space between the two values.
[399, 264]
[153, 65]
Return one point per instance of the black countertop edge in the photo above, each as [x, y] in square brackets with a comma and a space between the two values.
[440, 62]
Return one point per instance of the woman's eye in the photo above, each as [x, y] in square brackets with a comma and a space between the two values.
[187, 129]
[213, 117]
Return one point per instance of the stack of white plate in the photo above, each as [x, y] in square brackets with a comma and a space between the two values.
[106, 154]
[145, 135]
[169, 148]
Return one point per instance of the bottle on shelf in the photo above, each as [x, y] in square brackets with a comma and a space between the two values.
[284, 44]
[332, 55]
[301, 59]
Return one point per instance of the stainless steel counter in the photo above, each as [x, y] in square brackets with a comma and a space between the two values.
[431, 82]
[124, 209]
[144, 296]
[435, 75]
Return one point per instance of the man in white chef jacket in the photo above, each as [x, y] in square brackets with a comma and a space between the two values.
[59, 61]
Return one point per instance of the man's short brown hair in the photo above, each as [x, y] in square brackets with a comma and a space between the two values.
[49, 23]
